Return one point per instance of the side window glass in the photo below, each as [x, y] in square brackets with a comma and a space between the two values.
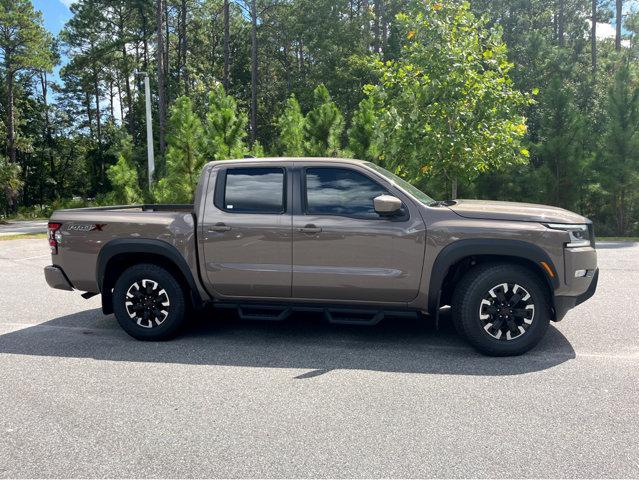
[341, 191]
[254, 190]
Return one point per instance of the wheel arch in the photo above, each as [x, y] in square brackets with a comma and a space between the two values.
[456, 258]
[120, 254]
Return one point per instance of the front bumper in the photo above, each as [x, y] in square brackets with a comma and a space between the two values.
[56, 278]
[565, 303]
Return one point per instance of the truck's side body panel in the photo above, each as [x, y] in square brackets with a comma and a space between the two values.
[245, 254]
[354, 258]
[86, 232]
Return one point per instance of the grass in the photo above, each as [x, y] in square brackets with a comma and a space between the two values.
[23, 236]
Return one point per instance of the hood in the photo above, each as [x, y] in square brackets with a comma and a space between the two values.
[523, 212]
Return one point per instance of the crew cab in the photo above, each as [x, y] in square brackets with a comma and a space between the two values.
[345, 237]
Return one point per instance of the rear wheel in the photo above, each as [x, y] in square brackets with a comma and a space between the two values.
[148, 302]
[501, 309]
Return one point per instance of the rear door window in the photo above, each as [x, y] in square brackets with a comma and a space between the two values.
[254, 190]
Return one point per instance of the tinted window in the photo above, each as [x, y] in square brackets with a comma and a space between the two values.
[254, 190]
[340, 191]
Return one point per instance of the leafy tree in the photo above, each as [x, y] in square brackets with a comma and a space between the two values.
[24, 45]
[124, 177]
[448, 105]
[323, 127]
[618, 162]
[362, 136]
[10, 181]
[224, 127]
[291, 129]
[184, 156]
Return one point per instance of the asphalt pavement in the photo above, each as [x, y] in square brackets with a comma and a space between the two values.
[230, 398]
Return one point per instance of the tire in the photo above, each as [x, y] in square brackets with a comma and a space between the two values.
[483, 314]
[149, 303]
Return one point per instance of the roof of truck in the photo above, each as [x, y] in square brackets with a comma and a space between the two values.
[288, 159]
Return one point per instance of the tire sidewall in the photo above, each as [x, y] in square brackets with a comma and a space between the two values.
[468, 312]
[170, 326]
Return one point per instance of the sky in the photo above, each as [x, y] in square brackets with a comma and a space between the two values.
[55, 14]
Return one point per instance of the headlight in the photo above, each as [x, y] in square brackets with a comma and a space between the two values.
[579, 236]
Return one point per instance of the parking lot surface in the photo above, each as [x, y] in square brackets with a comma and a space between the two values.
[79, 398]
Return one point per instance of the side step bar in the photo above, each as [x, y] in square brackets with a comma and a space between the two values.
[348, 316]
[336, 315]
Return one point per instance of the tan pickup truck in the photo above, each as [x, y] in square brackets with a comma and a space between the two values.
[344, 237]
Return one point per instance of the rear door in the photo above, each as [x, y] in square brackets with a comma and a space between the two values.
[344, 250]
[246, 232]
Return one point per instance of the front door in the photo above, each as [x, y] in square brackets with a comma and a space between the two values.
[246, 232]
[343, 249]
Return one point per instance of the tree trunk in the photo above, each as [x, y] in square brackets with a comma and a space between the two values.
[160, 70]
[47, 122]
[118, 85]
[376, 26]
[111, 110]
[145, 40]
[183, 45]
[384, 23]
[11, 134]
[227, 46]
[366, 24]
[129, 99]
[167, 46]
[87, 105]
[593, 37]
[96, 88]
[618, 21]
[253, 132]
[126, 74]
[560, 23]
[453, 189]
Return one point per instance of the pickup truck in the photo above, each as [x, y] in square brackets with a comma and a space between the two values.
[345, 237]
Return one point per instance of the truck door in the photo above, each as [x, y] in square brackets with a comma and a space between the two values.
[246, 232]
[343, 249]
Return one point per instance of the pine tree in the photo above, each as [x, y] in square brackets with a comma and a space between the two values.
[618, 162]
[291, 129]
[124, 177]
[224, 127]
[324, 126]
[362, 136]
[560, 144]
[24, 45]
[184, 157]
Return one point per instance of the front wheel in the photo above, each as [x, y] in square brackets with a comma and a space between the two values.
[148, 302]
[501, 309]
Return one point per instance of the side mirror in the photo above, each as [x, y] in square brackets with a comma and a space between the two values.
[387, 205]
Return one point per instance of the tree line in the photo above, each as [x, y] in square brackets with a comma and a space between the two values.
[514, 100]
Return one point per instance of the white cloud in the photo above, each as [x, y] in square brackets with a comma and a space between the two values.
[68, 3]
[606, 31]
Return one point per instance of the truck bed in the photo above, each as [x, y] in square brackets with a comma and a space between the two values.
[84, 232]
[147, 207]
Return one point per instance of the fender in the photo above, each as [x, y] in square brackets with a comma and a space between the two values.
[143, 245]
[454, 252]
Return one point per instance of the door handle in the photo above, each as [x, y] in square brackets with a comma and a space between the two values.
[219, 227]
[310, 228]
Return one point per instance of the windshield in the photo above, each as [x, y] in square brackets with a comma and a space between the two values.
[401, 183]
